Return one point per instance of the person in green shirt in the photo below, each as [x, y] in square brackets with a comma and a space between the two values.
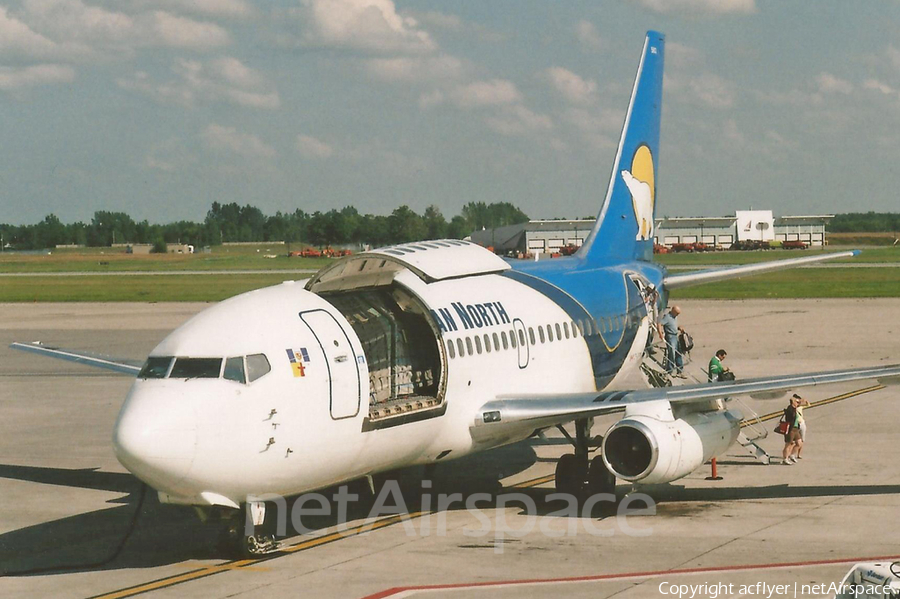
[715, 365]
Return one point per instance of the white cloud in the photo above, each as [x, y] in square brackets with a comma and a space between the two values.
[828, 83]
[701, 6]
[416, 68]
[518, 120]
[455, 25]
[67, 20]
[705, 89]
[222, 80]
[486, 93]
[588, 36]
[228, 139]
[369, 25]
[312, 148]
[571, 86]
[18, 78]
[172, 92]
[166, 29]
[879, 86]
[80, 30]
[229, 9]
[17, 37]
[236, 73]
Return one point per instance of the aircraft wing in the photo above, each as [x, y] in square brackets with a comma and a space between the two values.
[114, 364]
[505, 415]
[673, 281]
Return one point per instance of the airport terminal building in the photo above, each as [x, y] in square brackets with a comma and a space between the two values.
[550, 236]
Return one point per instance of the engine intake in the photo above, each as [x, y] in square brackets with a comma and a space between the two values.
[643, 448]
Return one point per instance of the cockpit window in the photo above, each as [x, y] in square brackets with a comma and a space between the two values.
[257, 366]
[196, 368]
[234, 369]
[155, 368]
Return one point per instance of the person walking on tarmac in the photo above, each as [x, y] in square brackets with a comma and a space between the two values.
[668, 329]
[792, 439]
[801, 403]
[716, 368]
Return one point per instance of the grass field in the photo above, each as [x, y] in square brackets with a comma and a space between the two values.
[870, 255]
[803, 282]
[813, 283]
[116, 260]
[134, 288]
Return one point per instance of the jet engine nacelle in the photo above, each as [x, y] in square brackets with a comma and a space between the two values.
[646, 449]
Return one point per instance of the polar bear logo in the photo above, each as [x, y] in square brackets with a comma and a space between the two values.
[639, 181]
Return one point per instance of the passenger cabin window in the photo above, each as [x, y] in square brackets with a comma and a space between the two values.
[549, 333]
[531, 335]
[522, 339]
[478, 344]
[558, 332]
[469, 346]
[234, 370]
[497, 341]
[574, 330]
[450, 349]
[541, 334]
[196, 368]
[459, 347]
[155, 368]
[487, 343]
[257, 366]
[503, 337]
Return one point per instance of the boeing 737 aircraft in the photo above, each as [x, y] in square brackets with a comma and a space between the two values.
[428, 351]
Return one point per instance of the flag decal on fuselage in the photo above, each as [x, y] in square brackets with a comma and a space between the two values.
[298, 358]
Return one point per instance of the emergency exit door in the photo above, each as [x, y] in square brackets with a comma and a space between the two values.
[340, 361]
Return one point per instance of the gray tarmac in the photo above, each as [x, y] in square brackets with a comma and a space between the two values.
[65, 501]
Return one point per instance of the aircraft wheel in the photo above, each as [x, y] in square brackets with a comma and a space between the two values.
[600, 479]
[569, 475]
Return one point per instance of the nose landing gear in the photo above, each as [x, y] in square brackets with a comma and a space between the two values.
[251, 536]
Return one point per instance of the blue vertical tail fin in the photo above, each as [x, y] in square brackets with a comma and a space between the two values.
[625, 227]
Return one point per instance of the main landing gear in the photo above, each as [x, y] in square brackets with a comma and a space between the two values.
[576, 473]
[250, 536]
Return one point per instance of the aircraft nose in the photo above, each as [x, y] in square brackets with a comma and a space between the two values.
[155, 438]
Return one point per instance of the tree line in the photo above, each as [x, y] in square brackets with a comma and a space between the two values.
[865, 222]
[232, 222]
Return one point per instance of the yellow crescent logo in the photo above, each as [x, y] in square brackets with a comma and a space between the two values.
[641, 185]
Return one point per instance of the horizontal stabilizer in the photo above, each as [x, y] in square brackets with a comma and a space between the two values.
[88, 359]
[732, 272]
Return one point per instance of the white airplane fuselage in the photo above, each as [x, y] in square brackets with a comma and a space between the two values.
[212, 441]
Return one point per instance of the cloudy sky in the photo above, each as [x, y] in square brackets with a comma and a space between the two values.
[160, 107]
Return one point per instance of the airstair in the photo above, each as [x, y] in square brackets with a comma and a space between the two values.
[752, 429]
